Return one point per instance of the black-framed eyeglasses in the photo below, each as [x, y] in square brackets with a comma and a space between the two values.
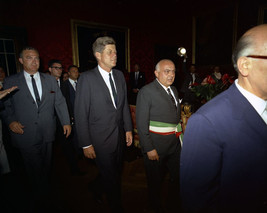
[58, 68]
[257, 56]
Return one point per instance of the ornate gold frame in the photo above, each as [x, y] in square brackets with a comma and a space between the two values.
[102, 27]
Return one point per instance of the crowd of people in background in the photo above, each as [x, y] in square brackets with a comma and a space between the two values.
[223, 152]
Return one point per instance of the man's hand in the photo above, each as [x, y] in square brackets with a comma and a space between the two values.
[16, 127]
[153, 155]
[89, 152]
[67, 130]
[129, 138]
[7, 91]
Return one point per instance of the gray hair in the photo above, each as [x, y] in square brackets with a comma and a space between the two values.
[157, 67]
[101, 42]
[244, 47]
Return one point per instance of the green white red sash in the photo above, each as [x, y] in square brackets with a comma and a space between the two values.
[162, 128]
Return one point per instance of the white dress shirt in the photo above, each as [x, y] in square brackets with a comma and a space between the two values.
[165, 88]
[73, 83]
[105, 76]
[37, 79]
[258, 104]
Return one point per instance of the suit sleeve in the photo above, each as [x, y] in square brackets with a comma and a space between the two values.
[142, 120]
[126, 110]
[82, 111]
[61, 106]
[200, 164]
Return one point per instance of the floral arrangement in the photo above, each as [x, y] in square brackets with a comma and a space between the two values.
[208, 90]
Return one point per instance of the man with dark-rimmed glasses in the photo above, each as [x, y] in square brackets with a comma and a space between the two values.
[224, 155]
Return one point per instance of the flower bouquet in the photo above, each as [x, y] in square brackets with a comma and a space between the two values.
[212, 87]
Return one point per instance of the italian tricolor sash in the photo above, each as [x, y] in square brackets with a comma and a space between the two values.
[162, 128]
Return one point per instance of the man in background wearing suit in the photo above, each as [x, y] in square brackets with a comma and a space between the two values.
[158, 117]
[224, 156]
[30, 114]
[102, 117]
[55, 68]
[191, 77]
[70, 144]
[137, 81]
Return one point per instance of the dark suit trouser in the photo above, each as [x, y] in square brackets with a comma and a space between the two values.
[69, 147]
[110, 166]
[37, 162]
[155, 173]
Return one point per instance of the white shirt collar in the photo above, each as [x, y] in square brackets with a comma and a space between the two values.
[104, 72]
[35, 75]
[72, 81]
[258, 104]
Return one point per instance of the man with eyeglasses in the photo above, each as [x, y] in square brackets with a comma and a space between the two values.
[158, 124]
[55, 68]
[224, 155]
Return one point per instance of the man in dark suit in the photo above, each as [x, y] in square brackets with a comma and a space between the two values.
[30, 114]
[224, 156]
[70, 144]
[158, 117]
[55, 68]
[102, 117]
[191, 77]
[137, 80]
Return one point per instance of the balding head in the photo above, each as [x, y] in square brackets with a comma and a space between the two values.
[250, 60]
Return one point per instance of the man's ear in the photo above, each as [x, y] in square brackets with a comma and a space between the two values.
[20, 60]
[156, 73]
[98, 55]
[244, 65]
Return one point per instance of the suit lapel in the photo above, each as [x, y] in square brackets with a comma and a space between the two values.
[164, 93]
[24, 86]
[118, 87]
[102, 85]
[44, 85]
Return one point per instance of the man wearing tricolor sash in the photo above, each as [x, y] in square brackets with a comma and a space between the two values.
[159, 128]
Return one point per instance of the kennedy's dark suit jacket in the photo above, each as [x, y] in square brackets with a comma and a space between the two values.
[98, 122]
[224, 156]
[21, 107]
[154, 104]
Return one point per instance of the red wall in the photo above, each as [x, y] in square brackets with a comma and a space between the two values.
[165, 23]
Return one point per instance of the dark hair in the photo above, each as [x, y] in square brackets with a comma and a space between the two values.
[72, 66]
[53, 61]
[101, 42]
[27, 48]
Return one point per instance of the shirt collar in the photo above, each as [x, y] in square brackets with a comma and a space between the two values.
[72, 81]
[258, 104]
[104, 72]
[27, 75]
[164, 86]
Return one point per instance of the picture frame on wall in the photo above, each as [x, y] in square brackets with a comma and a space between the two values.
[84, 35]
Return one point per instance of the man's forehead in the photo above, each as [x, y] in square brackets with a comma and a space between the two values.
[30, 52]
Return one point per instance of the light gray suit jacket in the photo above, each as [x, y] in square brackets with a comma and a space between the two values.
[21, 107]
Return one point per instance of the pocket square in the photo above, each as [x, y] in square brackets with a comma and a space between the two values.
[52, 91]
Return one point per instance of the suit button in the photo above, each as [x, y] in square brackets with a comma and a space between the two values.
[36, 123]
